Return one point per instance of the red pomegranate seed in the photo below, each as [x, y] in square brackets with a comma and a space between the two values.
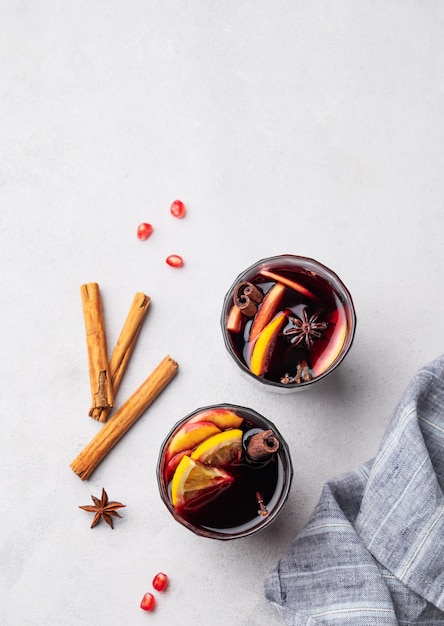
[144, 231]
[148, 602]
[178, 209]
[174, 260]
[160, 581]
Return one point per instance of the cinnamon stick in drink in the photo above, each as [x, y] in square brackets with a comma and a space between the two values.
[99, 373]
[122, 420]
[124, 347]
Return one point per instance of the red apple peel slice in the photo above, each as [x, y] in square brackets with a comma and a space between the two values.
[174, 462]
[335, 345]
[223, 418]
[188, 436]
[292, 284]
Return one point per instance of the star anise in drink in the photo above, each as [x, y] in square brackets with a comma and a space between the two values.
[103, 508]
[305, 330]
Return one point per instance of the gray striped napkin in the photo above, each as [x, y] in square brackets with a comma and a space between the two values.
[373, 551]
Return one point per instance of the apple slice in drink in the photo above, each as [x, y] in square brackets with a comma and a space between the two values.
[174, 461]
[322, 363]
[189, 436]
[267, 310]
[292, 284]
[223, 418]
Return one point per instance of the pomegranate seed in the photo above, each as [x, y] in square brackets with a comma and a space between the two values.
[174, 260]
[148, 602]
[144, 231]
[160, 581]
[178, 209]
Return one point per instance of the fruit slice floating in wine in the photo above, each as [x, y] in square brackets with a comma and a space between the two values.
[267, 310]
[220, 450]
[194, 482]
[292, 284]
[223, 418]
[265, 343]
[189, 436]
[335, 345]
[174, 461]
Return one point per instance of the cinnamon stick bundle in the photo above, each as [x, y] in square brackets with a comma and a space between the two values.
[99, 373]
[124, 348]
[118, 424]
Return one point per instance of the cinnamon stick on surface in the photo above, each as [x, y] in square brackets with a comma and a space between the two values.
[124, 347]
[99, 373]
[118, 424]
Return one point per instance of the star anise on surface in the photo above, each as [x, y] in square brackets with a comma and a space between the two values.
[103, 508]
[306, 329]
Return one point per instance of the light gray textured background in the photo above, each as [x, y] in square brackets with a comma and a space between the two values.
[305, 127]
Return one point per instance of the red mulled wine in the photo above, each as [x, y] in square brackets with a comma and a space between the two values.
[288, 321]
[224, 471]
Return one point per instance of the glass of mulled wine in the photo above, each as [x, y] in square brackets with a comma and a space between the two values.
[224, 471]
[288, 321]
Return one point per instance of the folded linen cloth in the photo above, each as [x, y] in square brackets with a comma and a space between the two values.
[372, 553]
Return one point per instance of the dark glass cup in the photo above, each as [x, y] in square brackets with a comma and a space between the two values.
[224, 472]
[287, 322]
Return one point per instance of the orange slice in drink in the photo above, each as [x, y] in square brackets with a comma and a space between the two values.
[264, 346]
[220, 450]
[194, 482]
